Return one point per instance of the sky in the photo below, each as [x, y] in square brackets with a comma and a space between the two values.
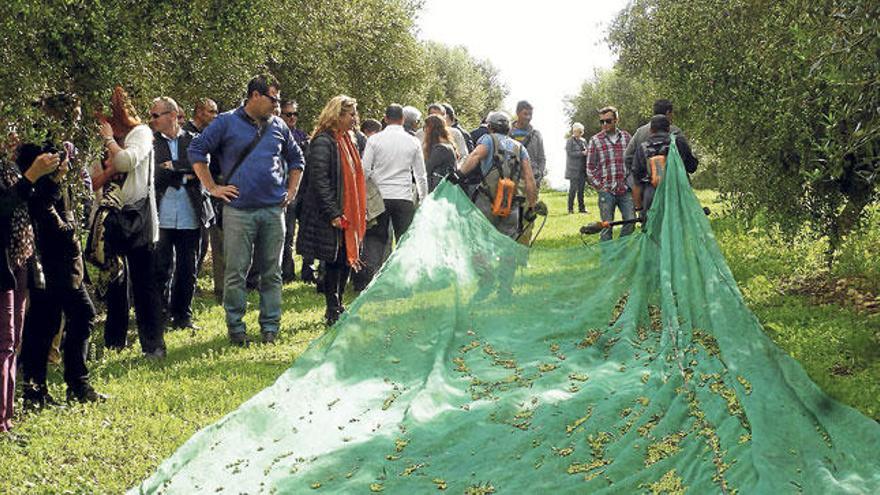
[543, 49]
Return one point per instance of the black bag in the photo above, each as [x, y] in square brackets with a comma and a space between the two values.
[129, 227]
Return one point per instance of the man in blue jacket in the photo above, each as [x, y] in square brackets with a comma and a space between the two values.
[261, 164]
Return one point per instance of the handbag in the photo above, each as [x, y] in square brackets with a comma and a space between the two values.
[375, 203]
[131, 226]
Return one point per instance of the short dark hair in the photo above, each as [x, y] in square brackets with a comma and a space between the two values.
[287, 103]
[261, 84]
[203, 103]
[660, 123]
[371, 125]
[662, 106]
[436, 106]
[394, 112]
[450, 112]
[523, 105]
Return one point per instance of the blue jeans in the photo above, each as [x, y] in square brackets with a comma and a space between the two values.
[256, 234]
[607, 203]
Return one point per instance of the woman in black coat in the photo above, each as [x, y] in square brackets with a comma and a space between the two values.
[576, 167]
[332, 215]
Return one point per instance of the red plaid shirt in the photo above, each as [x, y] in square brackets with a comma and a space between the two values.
[605, 168]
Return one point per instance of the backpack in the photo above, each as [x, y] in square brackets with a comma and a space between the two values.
[656, 163]
[503, 184]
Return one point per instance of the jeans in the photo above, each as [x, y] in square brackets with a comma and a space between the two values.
[12, 311]
[576, 188]
[177, 256]
[607, 203]
[399, 214]
[140, 271]
[41, 325]
[256, 234]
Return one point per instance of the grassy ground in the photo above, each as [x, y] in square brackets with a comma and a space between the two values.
[155, 407]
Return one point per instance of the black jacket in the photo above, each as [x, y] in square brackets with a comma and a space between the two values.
[10, 199]
[56, 234]
[321, 201]
[198, 196]
[658, 144]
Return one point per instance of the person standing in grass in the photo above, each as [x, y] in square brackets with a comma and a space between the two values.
[607, 173]
[333, 215]
[261, 165]
[16, 246]
[575, 167]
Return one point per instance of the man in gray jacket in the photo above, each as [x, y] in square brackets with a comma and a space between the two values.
[531, 139]
[661, 107]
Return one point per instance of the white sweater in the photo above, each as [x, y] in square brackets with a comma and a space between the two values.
[136, 160]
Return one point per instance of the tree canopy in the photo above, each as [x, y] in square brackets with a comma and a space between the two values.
[786, 93]
[188, 50]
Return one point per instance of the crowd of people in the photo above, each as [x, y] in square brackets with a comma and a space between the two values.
[252, 188]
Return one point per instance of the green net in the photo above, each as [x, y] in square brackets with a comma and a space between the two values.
[474, 365]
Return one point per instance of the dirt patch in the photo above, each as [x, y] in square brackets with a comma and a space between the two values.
[857, 293]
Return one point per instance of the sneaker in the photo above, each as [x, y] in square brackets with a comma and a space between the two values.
[238, 339]
[83, 394]
[269, 337]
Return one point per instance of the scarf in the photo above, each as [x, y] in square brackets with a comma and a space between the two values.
[354, 199]
[21, 245]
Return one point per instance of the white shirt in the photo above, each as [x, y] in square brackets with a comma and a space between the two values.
[136, 160]
[392, 159]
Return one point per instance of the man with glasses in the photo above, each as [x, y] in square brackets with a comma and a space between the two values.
[260, 164]
[183, 212]
[607, 173]
[290, 116]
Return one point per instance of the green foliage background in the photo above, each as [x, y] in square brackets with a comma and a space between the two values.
[786, 94]
[187, 50]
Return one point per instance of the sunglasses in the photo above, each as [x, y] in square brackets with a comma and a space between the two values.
[290, 114]
[606, 121]
[273, 99]
[155, 116]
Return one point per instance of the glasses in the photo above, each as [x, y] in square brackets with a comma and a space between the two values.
[290, 114]
[273, 99]
[155, 116]
[606, 121]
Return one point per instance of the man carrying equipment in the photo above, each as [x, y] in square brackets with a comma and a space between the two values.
[649, 163]
[506, 177]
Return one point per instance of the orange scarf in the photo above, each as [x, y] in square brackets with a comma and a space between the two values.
[354, 198]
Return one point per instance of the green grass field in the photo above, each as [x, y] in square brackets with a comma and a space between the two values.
[155, 407]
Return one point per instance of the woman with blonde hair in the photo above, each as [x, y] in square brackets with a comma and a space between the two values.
[576, 167]
[439, 151]
[333, 212]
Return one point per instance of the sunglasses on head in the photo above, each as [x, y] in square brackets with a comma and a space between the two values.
[606, 121]
[155, 116]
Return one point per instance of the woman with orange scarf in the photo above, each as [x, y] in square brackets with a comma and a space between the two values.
[333, 213]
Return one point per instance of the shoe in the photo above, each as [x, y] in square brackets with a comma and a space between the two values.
[238, 339]
[331, 316]
[36, 398]
[584, 211]
[570, 212]
[155, 355]
[185, 325]
[84, 394]
[268, 337]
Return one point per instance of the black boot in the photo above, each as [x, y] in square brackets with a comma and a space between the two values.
[84, 393]
[35, 397]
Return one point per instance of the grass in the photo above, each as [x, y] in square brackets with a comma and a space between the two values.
[155, 407]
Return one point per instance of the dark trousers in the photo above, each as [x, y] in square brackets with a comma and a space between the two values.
[41, 325]
[576, 188]
[335, 276]
[399, 214]
[177, 255]
[288, 268]
[139, 269]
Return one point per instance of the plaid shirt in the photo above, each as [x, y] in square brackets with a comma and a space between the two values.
[605, 168]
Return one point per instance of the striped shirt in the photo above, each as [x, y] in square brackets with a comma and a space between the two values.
[606, 170]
